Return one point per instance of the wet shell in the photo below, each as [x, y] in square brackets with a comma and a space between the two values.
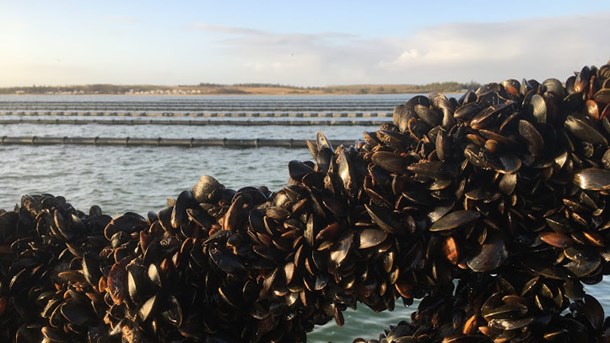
[593, 179]
[369, 238]
[454, 219]
[492, 255]
[451, 250]
[148, 308]
[117, 282]
[583, 131]
[556, 239]
[390, 161]
[225, 260]
[207, 189]
[128, 223]
[602, 96]
[385, 218]
[533, 138]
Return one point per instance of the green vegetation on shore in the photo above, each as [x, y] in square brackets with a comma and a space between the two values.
[241, 88]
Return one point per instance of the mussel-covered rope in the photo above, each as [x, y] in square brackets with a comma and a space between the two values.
[491, 208]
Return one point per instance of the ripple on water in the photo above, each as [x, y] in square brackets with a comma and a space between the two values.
[134, 178]
[216, 131]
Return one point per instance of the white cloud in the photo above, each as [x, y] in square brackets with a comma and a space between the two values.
[293, 58]
[488, 51]
[535, 48]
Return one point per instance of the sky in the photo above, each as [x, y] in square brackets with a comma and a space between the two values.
[301, 43]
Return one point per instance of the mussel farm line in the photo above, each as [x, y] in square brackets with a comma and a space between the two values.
[123, 113]
[159, 142]
[492, 208]
[205, 106]
[198, 122]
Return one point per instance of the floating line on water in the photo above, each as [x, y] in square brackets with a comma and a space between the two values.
[208, 105]
[162, 142]
[196, 122]
[226, 114]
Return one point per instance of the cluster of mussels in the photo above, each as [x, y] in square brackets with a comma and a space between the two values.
[491, 209]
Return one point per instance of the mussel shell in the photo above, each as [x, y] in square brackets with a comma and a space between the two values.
[442, 145]
[342, 248]
[72, 277]
[128, 223]
[297, 170]
[507, 311]
[451, 250]
[207, 189]
[173, 314]
[559, 335]
[137, 282]
[593, 110]
[63, 226]
[428, 115]
[606, 159]
[29, 333]
[400, 116]
[510, 324]
[583, 261]
[454, 219]
[582, 80]
[488, 88]
[534, 140]
[117, 282]
[390, 161]
[603, 72]
[324, 154]
[508, 183]
[433, 170]
[77, 313]
[593, 311]
[148, 308]
[322, 142]
[165, 218]
[184, 201]
[225, 260]
[602, 96]
[556, 239]
[154, 275]
[347, 170]
[542, 268]
[369, 238]
[467, 97]
[492, 255]
[467, 111]
[53, 334]
[583, 131]
[593, 179]
[8, 225]
[512, 87]
[555, 87]
[387, 219]
[538, 107]
[199, 217]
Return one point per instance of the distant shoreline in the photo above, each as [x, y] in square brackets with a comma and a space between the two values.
[238, 89]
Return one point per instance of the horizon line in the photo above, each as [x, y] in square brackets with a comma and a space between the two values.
[240, 84]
